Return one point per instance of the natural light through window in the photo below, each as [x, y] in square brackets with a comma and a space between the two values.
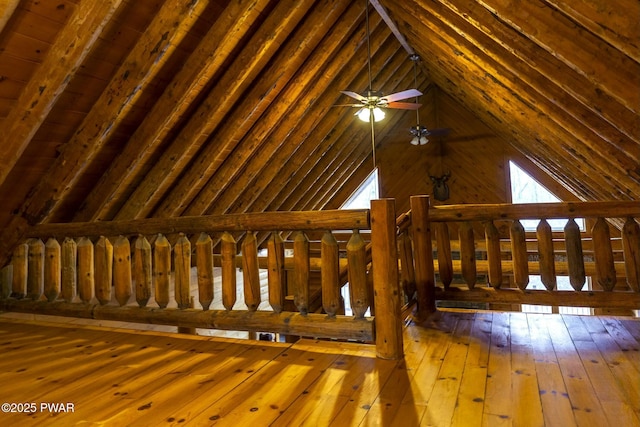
[525, 189]
[367, 191]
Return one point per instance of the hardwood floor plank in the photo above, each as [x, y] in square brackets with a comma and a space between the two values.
[470, 402]
[587, 410]
[527, 409]
[611, 396]
[498, 399]
[443, 399]
[556, 406]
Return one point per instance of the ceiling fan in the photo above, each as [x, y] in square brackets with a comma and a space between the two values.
[371, 103]
[421, 133]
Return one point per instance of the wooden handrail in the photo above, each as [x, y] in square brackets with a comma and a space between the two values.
[474, 212]
[264, 221]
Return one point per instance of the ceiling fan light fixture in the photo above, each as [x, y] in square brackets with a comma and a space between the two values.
[364, 114]
[423, 140]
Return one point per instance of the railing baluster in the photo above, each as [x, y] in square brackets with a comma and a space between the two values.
[301, 272]
[575, 258]
[546, 255]
[251, 272]
[35, 278]
[519, 254]
[468, 254]
[142, 270]
[103, 270]
[494, 255]
[631, 247]
[52, 270]
[330, 274]
[357, 273]
[407, 270]
[20, 264]
[162, 270]
[122, 270]
[69, 269]
[276, 274]
[603, 253]
[228, 250]
[182, 279]
[204, 263]
[445, 260]
[86, 269]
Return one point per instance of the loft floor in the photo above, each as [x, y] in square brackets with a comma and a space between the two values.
[463, 369]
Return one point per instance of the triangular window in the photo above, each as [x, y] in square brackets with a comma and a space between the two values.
[367, 191]
[525, 189]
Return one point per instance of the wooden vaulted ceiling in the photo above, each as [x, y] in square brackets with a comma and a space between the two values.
[120, 109]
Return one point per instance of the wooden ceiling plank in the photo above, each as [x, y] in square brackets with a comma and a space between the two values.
[52, 76]
[287, 135]
[607, 142]
[620, 28]
[536, 67]
[271, 100]
[573, 172]
[469, 53]
[512, 124]
[7, 9]
[205, 62]
[328, 136]
[141, 65]
[212, 111]
[328, 165]
[576, 46]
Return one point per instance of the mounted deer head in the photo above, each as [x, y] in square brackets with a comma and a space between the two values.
[440, 187]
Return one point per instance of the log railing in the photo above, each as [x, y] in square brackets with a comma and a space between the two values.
[143, 273]
[482, 254]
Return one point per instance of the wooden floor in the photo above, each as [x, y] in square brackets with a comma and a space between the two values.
[463, 369]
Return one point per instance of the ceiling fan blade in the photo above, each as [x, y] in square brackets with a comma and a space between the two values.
[349, 105]
[402, 105]
[439, 132]
[409, 93]
[354, 95]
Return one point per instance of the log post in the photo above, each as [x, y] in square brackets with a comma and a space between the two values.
[301, 272]
[86, 270]
[69, 269]
[384, 255]
[631, 248]
[6, 276]
[103, 270]
[494, 256]
[142, 270]
[575, 258]
[276, 273]
[468, 254]
[425, 273]
[52, 270]
[20, 264]
[122, 270]
[162, 270]
[603, 254]
[182, 279]
[546, 255]
[35, 277]
[204, 263]
[228, 250]
[250, 271]
[330, 274]
[519, 254]
[357, 273]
